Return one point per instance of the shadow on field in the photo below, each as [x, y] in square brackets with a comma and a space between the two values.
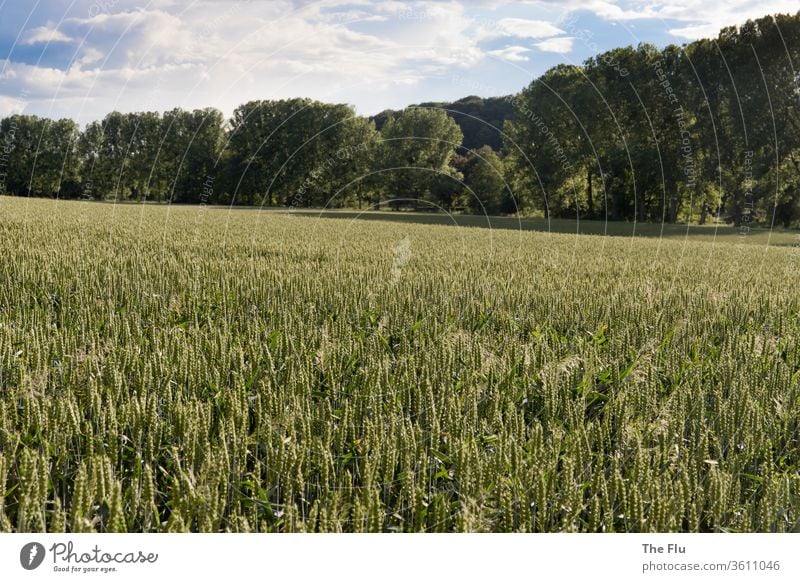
[709, 233]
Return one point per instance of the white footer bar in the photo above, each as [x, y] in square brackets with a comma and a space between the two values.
[407, 557]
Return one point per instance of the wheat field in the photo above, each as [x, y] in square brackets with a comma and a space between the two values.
[199, 369]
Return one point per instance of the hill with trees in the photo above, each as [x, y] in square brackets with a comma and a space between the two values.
[478, 118]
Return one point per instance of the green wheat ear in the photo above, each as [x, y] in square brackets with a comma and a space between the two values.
[157, 381]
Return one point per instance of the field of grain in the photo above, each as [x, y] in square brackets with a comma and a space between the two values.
[191, 369]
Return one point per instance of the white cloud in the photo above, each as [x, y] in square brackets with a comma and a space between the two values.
[704, 18]
[374, 54]
[561, 45]
[487, 30]
[707, 18]
[694, 32]
[392, 7]
[523, 28]
[511, 53]
[44, 34]
[10, 106]
[222, 54]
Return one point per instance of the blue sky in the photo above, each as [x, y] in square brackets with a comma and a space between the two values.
[84, 58]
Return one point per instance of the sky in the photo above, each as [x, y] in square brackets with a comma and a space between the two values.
[84, 58]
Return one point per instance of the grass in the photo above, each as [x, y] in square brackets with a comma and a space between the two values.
[182, 369]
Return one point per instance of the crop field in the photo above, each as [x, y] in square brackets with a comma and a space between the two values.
[197, 369]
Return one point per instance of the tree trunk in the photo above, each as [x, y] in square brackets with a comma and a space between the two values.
[589, 195]
[672, 218]
[641, 210]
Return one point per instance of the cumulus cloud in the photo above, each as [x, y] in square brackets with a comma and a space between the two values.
[44, 34]
[511, 53]
[560, 45]
[225, 53]
[10, 106]
[707, 18]
[703, 18]
[130, 55]
[522, 28]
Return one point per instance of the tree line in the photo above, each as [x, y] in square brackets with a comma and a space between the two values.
[665, 135]
[711, 128]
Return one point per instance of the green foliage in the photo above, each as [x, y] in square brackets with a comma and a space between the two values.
[297, 152]
[39, 156]
[646, 134]
[486, 189]
[417, 148]
[147, 156]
